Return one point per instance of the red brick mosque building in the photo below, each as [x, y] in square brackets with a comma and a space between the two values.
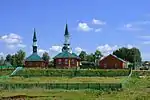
[34, 60]
[66, 59]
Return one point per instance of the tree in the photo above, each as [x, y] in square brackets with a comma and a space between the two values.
[90, 57]
[98, 56]
[46, 58]
[8, 58]
[2, 61]
[13, 60]
[83, 55]
[20, 57]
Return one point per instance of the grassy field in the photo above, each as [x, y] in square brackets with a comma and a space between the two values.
[6, 72]
[61, 79]
[136, 89]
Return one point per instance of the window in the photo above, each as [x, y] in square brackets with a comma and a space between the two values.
[105, 65]
[36, 64]
[30, 63]
[73, 61]
[116, 66]
[59, 61]
[66, 61]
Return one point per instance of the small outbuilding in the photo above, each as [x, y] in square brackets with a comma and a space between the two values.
[112, 62]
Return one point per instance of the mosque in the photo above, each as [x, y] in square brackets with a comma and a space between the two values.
[65, 59]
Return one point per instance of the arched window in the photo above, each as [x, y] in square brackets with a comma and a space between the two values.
[66, 61]
[59, 61]
[72, 61]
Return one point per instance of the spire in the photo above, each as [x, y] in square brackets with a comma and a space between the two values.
[66, 30]
[34, 42]
[66, 46]
[34, 36]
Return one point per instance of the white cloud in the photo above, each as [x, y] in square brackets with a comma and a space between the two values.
[56, 48]
[146, 42]
[2, 54]
[107, 49]
[98, 30]
[41, 51]
[129, 46]
[12, 40]
[130, 27]
[84, 27]
[21, 45]
[98, 22]
[78, 50]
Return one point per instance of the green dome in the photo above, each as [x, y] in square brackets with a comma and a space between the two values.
[66, 54]
[34, 57]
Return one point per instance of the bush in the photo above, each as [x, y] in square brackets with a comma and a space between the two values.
[140, 73]
[71, 72]
[67, 86]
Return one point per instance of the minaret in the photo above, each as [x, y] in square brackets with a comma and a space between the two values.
[66, 46]
[34, 42]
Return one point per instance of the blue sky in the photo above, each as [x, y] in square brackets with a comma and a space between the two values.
[93, 24]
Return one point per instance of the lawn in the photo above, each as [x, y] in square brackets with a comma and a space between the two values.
[136, 89]
[61, 80]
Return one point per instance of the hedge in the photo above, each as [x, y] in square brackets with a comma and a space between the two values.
[67, 86]
[7, 67]
[141, 73]
[71, 72]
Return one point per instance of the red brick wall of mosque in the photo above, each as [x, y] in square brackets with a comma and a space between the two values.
[35, 64]
[66, 62]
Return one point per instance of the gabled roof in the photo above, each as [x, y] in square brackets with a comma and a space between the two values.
[66, 54]
[118, 58]
[34, 57]
[115, 57]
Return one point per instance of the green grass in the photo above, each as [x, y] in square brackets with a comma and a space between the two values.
[136, 89]
[5, 72]
[62, 80]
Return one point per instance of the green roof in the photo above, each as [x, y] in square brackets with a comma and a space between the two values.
[34, 57]
[66, 54]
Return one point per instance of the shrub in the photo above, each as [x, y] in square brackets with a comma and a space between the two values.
[140, 73]
[67, 86]
[71, 72]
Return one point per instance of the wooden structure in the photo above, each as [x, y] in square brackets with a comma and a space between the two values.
[112, 62]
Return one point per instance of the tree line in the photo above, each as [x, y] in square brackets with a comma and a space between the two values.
[18, 58]
[132, 55]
